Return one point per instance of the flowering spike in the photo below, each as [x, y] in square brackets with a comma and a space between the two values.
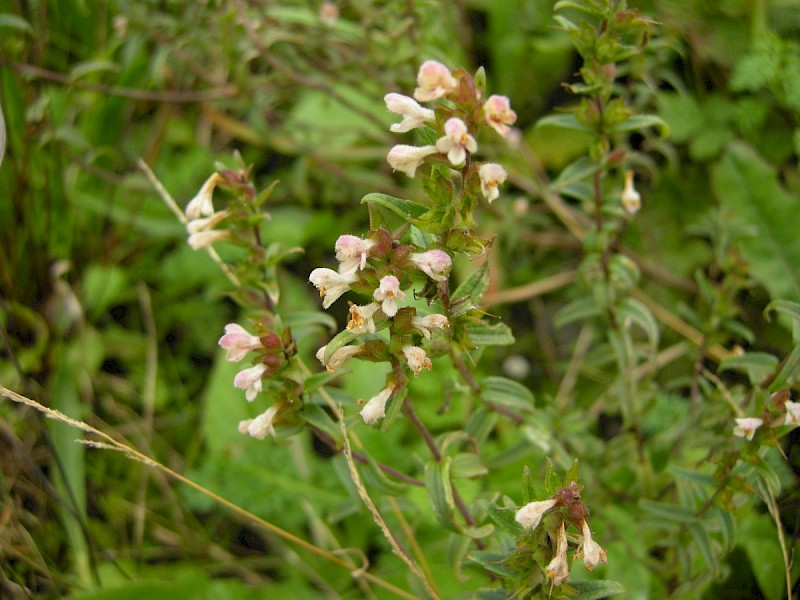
[434, 80]
[413, 114]
[456, 141]
[492, 176]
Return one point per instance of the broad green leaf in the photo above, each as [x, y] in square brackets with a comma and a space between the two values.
[596, 590]
[562, 121]
[747, 185]
[633, 311]
[575, 172]
[506, 392]
[407, 210]
[440, 489]
[581, 309]
[494, 563]
[498, 334]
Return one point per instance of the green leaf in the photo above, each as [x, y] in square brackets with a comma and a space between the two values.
[498, 334]
[382, 483]
[407, 210]
[341, 339]
[757, 365]
[474, 286]
[703, 543]
[467, 466]
[637, 122]
[668, 512]
[494, 563]
[784, 307]
[575, 172]
[440, 489]
[749, 187]
[595, 590]
[562, 121]
[631, 310]
[581, 309]
[504, 519]
[506, 392]
[13, 21]
[90, 67]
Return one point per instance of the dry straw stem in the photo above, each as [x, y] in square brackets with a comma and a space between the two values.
[109, 443]
[376, 515]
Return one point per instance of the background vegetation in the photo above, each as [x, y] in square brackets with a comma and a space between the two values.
[108, 316]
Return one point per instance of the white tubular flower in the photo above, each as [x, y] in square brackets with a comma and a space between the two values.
[492, 176]
[792, 413]
[388, 293]
[434, 81]
[498, 113]
[434, 263]
[558, 570]
[591, 552]
[261, 426]
[408, 158]
[201, 204]
[530, 515]
[203, 239]
[249, 380]
[352, 252]
[207, 224]
[417, 359]
[361, 318]
[338, 358]
[375, 409]
[456, 141]
[238, 342]
[428, 322]
[746, 427]
[331, 285]
[631, 200]
[413, 114]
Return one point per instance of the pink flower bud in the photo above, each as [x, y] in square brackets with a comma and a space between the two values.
[434, 263]
[498, 114]
[238, 342]
[434, 81]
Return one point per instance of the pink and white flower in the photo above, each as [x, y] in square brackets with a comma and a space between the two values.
[498, 114]
[530, 515]
[202, 204]
[416, 359]
[434, 80]
[375, 409]
[746, 427]
[408, 158]
[492, 176]
[352, 252]
[338, 358]
[456, 142]
[429, 322]
[249, 380]
[331, 285]
[238, 342]
[361, 318]
[592, 553]
[631, 200]
[388, 293]
[434, 263]
[413, 114]
[792, 413]
[261, 426]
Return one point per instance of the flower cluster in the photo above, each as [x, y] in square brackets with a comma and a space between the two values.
[566, 507]
[238, 342]
[202, 218]
[378, 266]
[788, 414]
[456, 125]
